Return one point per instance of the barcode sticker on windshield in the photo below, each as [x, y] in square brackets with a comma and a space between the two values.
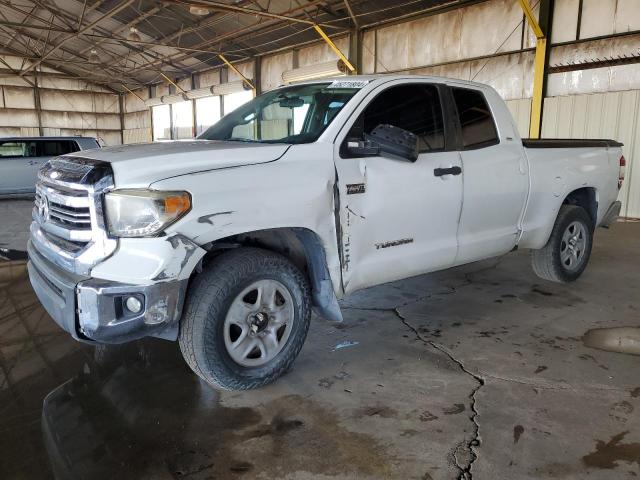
[348, 83]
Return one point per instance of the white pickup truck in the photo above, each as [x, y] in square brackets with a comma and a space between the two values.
[299, 197]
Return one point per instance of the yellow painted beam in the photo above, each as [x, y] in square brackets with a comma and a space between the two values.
[531, 18]
[232, 67]
[335, 48]
[173, 83]
[538, 80]
[132, 92]
[535, 123]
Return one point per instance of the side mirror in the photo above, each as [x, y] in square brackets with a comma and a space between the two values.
[387, 141]
[395, 142]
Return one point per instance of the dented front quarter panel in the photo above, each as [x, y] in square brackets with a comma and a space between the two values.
[146, 261]
[294, 192]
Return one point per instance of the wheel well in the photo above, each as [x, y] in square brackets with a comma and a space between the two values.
[302, 247]
[281, 240]
[585, 198]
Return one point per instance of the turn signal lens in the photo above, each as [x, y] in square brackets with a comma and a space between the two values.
[177, 204]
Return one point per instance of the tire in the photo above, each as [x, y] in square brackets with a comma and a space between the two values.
[551, 261]
[208, 321]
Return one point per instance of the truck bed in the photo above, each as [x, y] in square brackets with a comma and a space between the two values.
[558, 167]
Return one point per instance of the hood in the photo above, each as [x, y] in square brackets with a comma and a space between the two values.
[139, 165]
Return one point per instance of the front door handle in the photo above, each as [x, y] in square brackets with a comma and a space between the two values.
[439, 172]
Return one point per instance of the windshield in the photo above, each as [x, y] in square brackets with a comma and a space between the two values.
[297, 114]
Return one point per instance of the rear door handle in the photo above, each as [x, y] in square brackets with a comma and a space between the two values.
[439, 172]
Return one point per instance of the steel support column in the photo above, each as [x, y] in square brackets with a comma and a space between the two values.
[257, 75]
[121, 112]
[355, 48]
[36, 99]
[542, 30]
[535, 124]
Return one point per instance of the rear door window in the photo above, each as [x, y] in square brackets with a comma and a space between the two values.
[53, 148]
[476, 121]
[37, 148]
[15, 149]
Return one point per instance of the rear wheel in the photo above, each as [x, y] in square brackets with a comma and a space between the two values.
[566, 254]
[245, 319]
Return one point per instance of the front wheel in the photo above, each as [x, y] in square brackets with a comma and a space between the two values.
[245, 319]
[566, 254]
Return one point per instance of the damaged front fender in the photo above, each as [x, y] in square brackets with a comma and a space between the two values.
[153, 271]
[146, 261]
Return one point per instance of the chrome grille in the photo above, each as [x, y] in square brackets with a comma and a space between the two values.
[66, 245]
[68, 223]
[66, 209]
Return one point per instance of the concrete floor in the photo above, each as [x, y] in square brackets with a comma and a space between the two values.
[478, 371]
[15, 216]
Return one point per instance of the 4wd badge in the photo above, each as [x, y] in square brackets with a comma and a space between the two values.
[354, 188]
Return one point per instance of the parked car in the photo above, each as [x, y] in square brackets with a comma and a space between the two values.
[297, 198]
[21, 157]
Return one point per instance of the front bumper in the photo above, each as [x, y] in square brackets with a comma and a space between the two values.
[93, 309]
[55, 288]
[103, 316]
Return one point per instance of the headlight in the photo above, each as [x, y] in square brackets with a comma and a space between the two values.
[143, 213]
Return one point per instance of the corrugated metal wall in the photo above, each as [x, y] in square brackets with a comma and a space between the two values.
[137, 118]
[68, 107]
[458, 44]
[521, 111]
[613, 115]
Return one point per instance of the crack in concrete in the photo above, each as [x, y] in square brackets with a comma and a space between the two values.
[465, 467]
[551, 386]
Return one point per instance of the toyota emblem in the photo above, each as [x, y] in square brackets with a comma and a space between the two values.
[44, 208]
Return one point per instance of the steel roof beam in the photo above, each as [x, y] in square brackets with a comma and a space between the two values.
[91, 25]
[113, 55]
[234, 35]
[54, 63]
[243, 10]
